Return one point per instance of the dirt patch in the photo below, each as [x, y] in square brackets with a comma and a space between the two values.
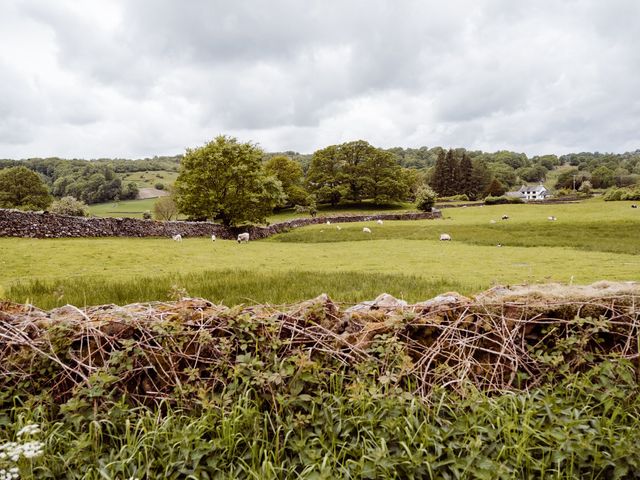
[144, 193]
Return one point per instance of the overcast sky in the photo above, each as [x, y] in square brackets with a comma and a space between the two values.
[137, 78]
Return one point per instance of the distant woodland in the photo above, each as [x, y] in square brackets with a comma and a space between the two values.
[357, 171]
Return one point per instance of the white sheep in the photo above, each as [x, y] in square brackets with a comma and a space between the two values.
[551, 218]
[379, 222]
[243, 237]
[445, 237]
[213, 237]
[366, 230]
[177, 237]
[338, 227]
[328, 222]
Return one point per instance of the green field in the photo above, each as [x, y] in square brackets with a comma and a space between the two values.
[590, 241]
[125, 208]
[149, 179]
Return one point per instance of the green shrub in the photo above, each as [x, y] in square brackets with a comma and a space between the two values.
[616, 194]
[69, 206]
[454, 198]
[146, 215]
[502, 200]
[159, 186]
[425, 198]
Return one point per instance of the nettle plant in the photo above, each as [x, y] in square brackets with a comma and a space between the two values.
[18, 456]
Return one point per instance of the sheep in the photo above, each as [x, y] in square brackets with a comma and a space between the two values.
[505, 217]
[366, 230]
[379, 222]
[243, 237]
[328, 222]
[177, 237]
[445, 237]
[551, 218]
[213, 237]
[499, 245]
[633, 205]
[338, 227]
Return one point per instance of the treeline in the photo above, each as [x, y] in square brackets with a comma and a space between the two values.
[92, 181]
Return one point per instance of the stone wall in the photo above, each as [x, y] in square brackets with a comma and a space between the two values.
[16, 223]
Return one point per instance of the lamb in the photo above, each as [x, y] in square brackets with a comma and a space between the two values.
[213, 237]
[379, 222]
[177, 237]
[505, 217]
[445, 237]
[366, 230]
[551, 218]
[243, 237]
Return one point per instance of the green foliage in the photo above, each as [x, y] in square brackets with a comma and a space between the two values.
[224, 180]
[159, 186]
[616, 194]
[290, 174]
[69, 206]
[21, 188]
[502, 200]
[146, 215]
[425, 199]
[585, 187]
[495, 188]
[444, 178]
[165, 209]
[602, 177]
[357, 171]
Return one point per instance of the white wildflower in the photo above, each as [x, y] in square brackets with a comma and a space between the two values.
[30, 429]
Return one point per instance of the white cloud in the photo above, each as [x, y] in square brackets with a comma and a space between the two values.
[139, 78]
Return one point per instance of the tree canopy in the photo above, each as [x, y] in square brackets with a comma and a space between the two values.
[24, 189]
[224, 180]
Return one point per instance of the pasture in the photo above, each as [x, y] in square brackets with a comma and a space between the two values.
[590, 241]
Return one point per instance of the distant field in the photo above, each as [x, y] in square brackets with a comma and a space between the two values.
[125, 208]
[590, 241]
[150, 179]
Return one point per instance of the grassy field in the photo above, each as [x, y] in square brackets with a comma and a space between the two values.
[149, 179]
[125, 208]
[590, 241]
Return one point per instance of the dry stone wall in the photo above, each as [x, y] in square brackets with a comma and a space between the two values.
[16, 223]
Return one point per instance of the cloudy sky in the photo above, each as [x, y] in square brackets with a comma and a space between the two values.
[137, 78]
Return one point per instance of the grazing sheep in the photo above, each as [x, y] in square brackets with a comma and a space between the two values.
[492, 221]
[338, 227]
[499, 245]
[633, 205]
[177, 237]
[328, 222]
[379, 222]
[243, 237]
[213, 237]
[505, 217]
[366, 230]
[551, 218]
[445, 237]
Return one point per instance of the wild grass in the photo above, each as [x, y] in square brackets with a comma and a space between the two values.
[149, 179]
[231, 287]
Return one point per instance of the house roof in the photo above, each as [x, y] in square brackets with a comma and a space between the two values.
[531, 188]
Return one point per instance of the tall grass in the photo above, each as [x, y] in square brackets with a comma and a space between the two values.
[232, 287]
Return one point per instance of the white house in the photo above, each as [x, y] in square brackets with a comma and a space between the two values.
[530, 192]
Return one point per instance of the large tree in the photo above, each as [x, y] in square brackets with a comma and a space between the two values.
[325, 177]
[445, 174]
[224, 180]
[290, 174]
[23, 188]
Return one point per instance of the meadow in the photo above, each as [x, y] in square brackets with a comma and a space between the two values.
[309, 415]
[590, 241]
